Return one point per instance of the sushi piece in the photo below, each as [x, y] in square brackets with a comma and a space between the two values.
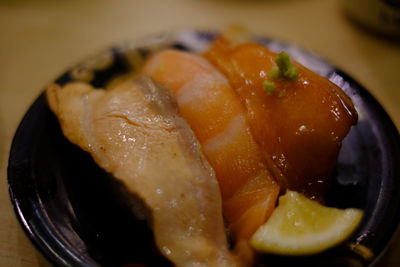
[218, 118]
[297, 117]
[134, 132]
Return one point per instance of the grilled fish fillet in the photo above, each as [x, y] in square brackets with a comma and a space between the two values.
[134, 132]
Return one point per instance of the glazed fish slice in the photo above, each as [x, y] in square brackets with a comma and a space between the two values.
[299, 125]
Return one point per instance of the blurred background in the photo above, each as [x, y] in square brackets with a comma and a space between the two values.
[40, 39]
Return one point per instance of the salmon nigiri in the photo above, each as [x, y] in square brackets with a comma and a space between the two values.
[298, 121]
[218, 118]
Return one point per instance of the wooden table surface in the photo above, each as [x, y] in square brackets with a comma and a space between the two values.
[41, 39]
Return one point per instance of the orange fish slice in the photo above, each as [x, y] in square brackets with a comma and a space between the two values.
[216, 115]
[299, 125]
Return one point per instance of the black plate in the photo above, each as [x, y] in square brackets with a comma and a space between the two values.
[65, 205]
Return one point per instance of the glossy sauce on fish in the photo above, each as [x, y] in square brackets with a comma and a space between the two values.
[299, 127]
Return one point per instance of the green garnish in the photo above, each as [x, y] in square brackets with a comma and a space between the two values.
[269, 87]
[286, 69]
[274, 73]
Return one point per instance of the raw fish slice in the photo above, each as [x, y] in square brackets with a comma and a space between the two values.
[300, 126]
[213, 110]
[135, 133]
[235, 156]
[246, 209]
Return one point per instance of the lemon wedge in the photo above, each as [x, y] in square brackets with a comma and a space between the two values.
[300, 226]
